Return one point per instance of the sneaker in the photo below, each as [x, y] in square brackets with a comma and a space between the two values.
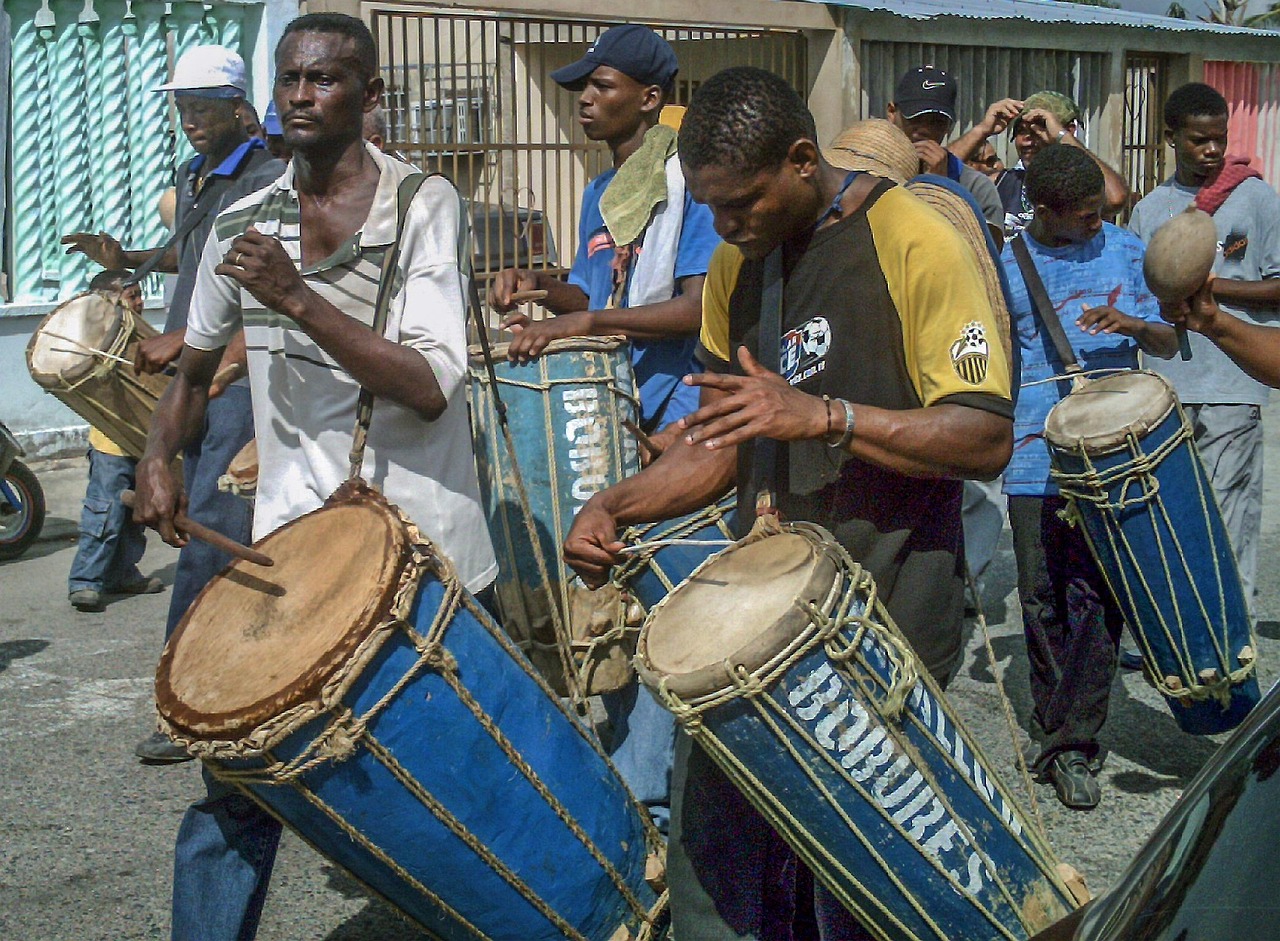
[142, 586]
[86, 599]
[1075, 785]
[1130, 659]
[156, 749]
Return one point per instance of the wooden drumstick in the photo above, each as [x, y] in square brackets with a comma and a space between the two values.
[522, 297]
[196, 531]
[227, 374]
[642, 439]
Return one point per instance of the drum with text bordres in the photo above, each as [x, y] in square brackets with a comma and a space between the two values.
[82, 353]
[1124, 458]
[241, 477]
[565, 413]
[358, 692]
[781, 664]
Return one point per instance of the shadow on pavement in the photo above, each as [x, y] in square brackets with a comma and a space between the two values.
[376, 920]
[11, 650]
[1150, 737]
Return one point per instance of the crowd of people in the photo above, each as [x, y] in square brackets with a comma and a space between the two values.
[898, 415]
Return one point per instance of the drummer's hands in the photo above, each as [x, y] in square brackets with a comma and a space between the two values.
[1199, 312]
[1106, 319]
[101, 248]
[508, 282]
[234, 365]
[154, 354]
[261, 266]
[532, 336]
[760, 404]
[592, 546]
[157, 499]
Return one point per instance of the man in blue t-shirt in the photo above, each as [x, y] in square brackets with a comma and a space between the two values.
[643, 250]
[643, 243]
[1092, 273]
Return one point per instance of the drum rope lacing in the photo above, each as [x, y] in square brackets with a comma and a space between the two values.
[569, 666]
[1092, 487]
[345, 732]
[641, 552]
[106, 366]
[903, 677]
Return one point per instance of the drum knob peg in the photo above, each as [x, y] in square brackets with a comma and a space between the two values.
[1209, 675]
[1246, 656]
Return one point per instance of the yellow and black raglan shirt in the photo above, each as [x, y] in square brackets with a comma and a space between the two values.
[884, 308]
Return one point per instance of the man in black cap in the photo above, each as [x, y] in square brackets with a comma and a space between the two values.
[643, 250]
[924, 108]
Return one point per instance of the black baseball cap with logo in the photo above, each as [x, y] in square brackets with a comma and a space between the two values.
[634, 50]
[926, 90]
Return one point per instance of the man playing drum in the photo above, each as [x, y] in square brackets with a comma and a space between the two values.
[298, 264]
[643, 250]
[894, 388]
[1092, 275]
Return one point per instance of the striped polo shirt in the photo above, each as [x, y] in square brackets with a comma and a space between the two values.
[304, 403]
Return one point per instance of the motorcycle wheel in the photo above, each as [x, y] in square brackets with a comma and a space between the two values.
[20, 528]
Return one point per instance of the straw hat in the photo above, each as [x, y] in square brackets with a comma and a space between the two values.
[875, 146]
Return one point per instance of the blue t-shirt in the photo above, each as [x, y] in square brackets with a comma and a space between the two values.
[1105, 271]
[659, 364]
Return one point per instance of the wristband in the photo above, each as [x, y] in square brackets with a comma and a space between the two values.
[845, 433]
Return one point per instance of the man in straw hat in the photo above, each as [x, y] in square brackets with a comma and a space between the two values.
[297, 264]
[875, 432]
[209, 90]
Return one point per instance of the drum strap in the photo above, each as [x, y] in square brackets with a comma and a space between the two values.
[1043, 306]
[409, 187]
[210, 196]
[760, 493]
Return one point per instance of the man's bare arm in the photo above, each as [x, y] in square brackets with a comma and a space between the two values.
[107, 252]
[562, 297]
[1264, 293]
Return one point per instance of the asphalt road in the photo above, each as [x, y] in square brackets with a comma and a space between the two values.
[88, 831]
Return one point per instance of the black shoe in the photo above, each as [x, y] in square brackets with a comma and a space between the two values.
[1130, 659]
[1071, 778]
[156, 749]
[86, 599]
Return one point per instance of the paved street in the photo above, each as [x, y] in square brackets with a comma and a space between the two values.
[88, 831]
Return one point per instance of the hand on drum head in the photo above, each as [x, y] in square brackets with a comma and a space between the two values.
[592, 546]
[507, 282]
[154, 354]
[261, 266]
[157, 499]
[102, 248]
[760, 404]
[534, 335]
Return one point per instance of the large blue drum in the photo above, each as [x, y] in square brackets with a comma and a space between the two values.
[373, 706]
[781, 664]
[565, 413]
[1123, 457]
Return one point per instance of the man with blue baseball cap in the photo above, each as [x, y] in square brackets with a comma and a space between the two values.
[643, 250]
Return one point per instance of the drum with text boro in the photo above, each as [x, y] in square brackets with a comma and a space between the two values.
[1124, 459]
[779, 661]
[359, 693]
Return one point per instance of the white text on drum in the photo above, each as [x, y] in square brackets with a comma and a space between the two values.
[845, 728]
[589, 451]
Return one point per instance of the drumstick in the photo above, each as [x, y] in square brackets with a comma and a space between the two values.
[206, 535]
[87, 349]
[1184, 345]
[521, 297]
[226, 374]
[643, 439]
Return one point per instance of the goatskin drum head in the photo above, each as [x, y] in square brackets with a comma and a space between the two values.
[1104, 412]
[738, 610]
[83, 324]
[258, 640]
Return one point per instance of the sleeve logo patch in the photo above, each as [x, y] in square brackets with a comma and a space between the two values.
[971, 353]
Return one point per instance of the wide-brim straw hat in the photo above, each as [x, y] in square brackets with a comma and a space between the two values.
[874, 146]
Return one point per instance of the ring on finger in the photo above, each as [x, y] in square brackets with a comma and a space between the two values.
[236, 261]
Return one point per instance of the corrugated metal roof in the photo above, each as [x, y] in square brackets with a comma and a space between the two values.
[1036, 11]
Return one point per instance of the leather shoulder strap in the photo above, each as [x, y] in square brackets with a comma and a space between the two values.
[1042, 305]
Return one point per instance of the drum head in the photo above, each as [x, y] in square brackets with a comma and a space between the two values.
[571, 344]
[83, 324]
[1103, 413]
[740, 609]
[258, 641]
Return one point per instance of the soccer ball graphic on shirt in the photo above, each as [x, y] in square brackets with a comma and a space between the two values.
[803, 349]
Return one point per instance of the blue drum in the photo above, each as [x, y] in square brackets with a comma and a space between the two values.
[566, 443]
[1123, 457]
[373, 706]
[662, 555]
[781, 664]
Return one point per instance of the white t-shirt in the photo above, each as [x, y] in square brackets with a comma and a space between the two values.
[304, 403]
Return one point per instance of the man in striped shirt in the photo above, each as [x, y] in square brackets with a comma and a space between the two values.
[298, 264]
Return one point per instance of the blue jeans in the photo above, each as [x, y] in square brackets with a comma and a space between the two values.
[111, 543]
[642, 745]
[228, 427]
[222, 865]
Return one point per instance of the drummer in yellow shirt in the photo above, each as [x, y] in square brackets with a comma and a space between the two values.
[111, 544]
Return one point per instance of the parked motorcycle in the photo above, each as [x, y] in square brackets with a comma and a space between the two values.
[21, 500]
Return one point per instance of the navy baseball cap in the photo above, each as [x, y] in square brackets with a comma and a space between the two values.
[634, 50]
[926, 90]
